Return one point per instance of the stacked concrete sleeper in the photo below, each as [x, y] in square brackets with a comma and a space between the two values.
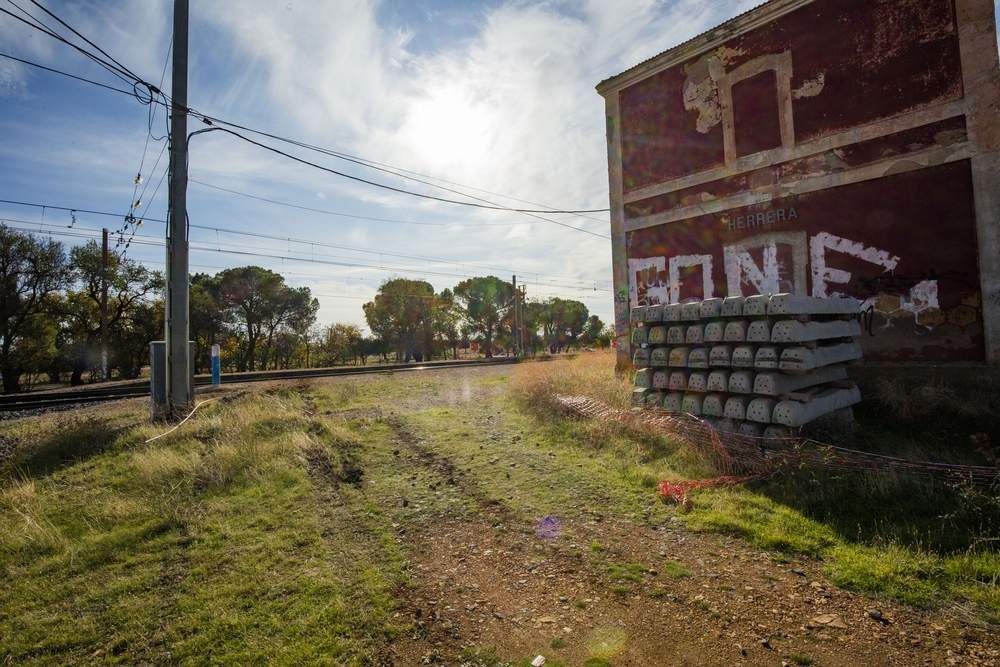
[761, 365]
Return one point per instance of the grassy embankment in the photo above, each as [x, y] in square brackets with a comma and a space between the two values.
[269, 528]
[928, 543]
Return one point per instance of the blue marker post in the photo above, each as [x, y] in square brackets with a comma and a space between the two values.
[216, 367]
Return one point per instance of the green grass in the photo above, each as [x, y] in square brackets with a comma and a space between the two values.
[675, 569]
[927, 543]
[558, 642]
[800, 659]
[208, 544]
[629, 571]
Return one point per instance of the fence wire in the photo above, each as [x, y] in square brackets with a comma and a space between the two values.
[741, 458]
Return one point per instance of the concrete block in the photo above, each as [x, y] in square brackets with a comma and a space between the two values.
[676, 334]
[760, 409]
[695, 334]
[743, 356]
[637, 314]
[660, 357]
[791, 331]
[639, 397]
[732, 306]
[718, 381]
[721, 356]
[751, 429]
[641, 357]
[661, 379]
[741, 382]
[672, 402]
[759, 331]
[691, 311]
[755, 306]
[800, 359]
[796, 304]
[736, 331]
[767, 358]
[678, 380]
[644, 378]
[672, 312]
[796, 413]
[698, 381]
[692, 404]
[714, 405]
[698, 358]
[657, 335]
[655, 399]
[776, 384]
[736, 407]
[654, 313]
[727, 425]
[711, 308]
[776, 432]
[679, 357]
[715, 332]
[640, 336]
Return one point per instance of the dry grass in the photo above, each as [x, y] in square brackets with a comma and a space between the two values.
[911, 400]
[591, 375]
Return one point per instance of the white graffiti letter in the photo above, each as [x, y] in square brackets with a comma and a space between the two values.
[684, 261]
[822, 275]
[642, 266]
[766, 279]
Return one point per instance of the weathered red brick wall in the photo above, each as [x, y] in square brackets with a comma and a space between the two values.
[841, 240]
[854, 62]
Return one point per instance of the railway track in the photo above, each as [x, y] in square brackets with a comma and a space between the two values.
[140, 388]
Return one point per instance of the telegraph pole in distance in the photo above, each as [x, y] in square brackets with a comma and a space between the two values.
[517, 321]
[104, 305]
[179, 397]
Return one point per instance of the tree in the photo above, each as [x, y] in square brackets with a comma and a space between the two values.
[31, 271]
[259, 306]
[129, 286]
[594, 333]
[207, 323]
[401, 314]
[485, 302]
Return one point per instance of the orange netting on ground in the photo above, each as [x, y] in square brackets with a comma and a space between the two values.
[741, 458]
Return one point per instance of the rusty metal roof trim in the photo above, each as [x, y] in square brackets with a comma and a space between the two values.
[706, 41]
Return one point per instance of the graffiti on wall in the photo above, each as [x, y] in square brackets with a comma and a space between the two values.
[904, 245]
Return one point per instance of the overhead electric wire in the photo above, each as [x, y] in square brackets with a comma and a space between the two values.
[72, 76]
[389, 187]
[359, 217]
[327, 244]
[123, 72]
[351, 263]
[396, 171]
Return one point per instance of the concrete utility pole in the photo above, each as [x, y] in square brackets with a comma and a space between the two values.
[104, 305]
[517, 321]
[178, 393]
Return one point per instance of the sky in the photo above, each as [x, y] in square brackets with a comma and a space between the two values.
[493, 99]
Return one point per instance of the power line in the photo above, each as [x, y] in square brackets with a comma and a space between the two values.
[72, 76]
[195, 247]
[395, 189]
[324, 244]
[122, 72]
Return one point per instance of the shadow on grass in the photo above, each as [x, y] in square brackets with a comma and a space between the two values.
[66, 444]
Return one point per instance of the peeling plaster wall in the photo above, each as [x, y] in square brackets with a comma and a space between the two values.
[822, 147]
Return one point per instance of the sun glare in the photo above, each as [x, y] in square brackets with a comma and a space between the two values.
[445, 129]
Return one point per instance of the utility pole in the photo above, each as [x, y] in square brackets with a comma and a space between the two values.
[104, 305]
[517, 321]
[178, 393]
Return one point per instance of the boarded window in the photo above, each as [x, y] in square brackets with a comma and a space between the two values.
[755, 113]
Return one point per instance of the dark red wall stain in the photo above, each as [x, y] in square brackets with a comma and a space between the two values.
[659, 138]
[878, 58]
[940, 134]
[925, 217]
[755, 114]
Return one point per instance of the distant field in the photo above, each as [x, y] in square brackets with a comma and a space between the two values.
[455, 516]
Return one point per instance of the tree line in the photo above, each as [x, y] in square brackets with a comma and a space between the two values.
[50, 318]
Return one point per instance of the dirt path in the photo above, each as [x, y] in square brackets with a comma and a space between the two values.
[601, 586]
